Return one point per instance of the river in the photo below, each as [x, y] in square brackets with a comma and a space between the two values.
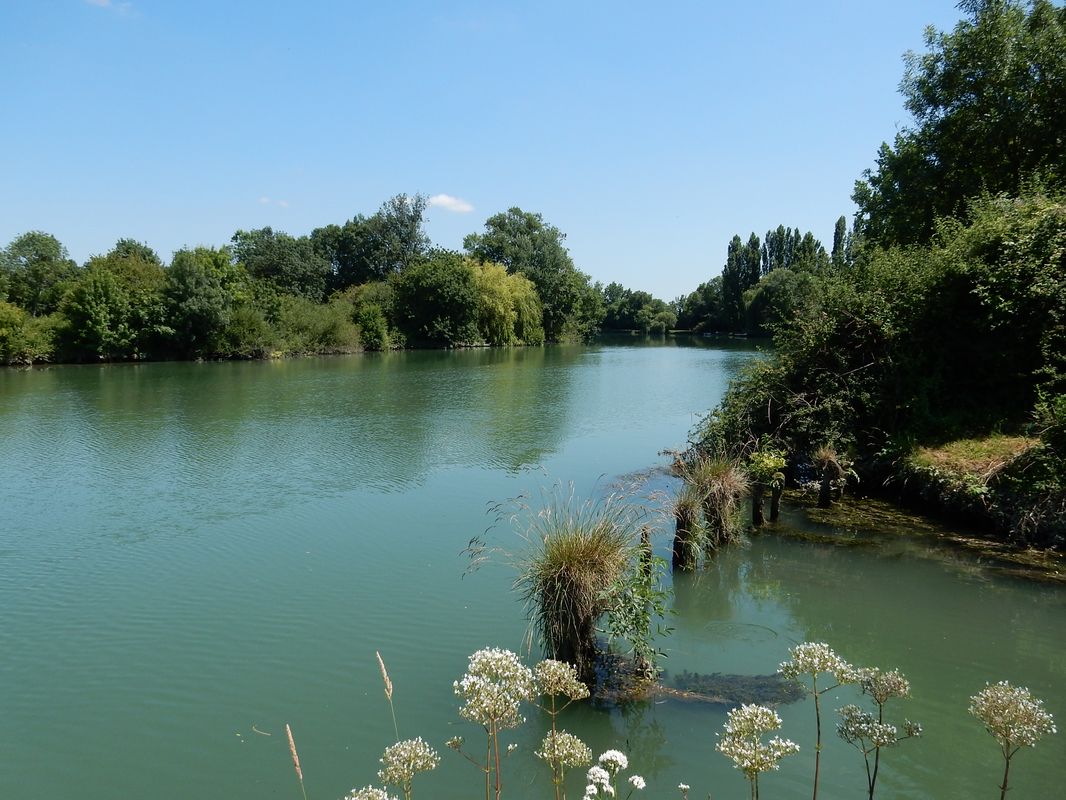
[194, 555]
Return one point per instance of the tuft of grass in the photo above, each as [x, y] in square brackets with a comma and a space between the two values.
[720, 484]
[690, 529]
[575, 555]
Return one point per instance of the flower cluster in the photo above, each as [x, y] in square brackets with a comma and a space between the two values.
[859, 728]
[565, 750]
[494, 687]
[559, 678]
[882, 686]
[742, 740]
[601, 777]
[599, 782]
[811, 658]
[614, 761]
[403, 760]
[369, 793]
[1012, 715]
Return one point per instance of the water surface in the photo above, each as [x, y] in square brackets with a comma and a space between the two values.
[192, 553]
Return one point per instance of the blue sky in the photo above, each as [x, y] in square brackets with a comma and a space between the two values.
[649, 134]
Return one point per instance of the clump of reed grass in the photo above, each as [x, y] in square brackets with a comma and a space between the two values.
[715, 486]
[576, 553]
[689, 530]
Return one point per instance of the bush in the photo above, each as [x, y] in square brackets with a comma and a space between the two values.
[25, 339]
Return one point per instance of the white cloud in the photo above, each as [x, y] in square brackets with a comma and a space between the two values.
[267, 201]
[449, 203]
[118, 8]
[264, 201]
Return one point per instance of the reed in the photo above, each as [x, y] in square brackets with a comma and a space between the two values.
[295, 759]
[388, 693]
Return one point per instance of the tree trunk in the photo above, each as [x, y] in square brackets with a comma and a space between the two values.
[775, 500]
[684, 556]
[757, 493]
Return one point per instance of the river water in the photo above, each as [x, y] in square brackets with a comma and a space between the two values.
[194, 555]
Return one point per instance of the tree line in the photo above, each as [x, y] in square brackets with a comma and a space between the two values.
[374, 282]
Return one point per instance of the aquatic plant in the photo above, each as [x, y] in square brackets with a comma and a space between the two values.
[742, 742]
[1014, 718]
[811, 659]
[689, 528]
[719, 484]
[640, 602]
[576, 555]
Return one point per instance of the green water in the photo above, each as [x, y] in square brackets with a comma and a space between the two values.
[191, 550]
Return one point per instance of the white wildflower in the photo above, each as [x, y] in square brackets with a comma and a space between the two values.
[742, 741]
[368, 793]
[812, 658]
[637, 781]
[559, 678]
[1012, 715]
[564, 749]
[614, 761]
[882, 686]
[598, 776]
[494, 687]
[403, 760]
[859, 728]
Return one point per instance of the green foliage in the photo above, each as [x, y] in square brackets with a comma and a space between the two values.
[639, 605]
[366, 249]
[116, 307]
[496, 314]
[24, 339]
[779, 297]
[373, 327]
[989, 107]
[923, 344]
[306, 327]
[202, 288]
[624, 309]
[765, 463]
[291, 264]
[247, 334]
[34, 269]
[522, 242]
[437, 300]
